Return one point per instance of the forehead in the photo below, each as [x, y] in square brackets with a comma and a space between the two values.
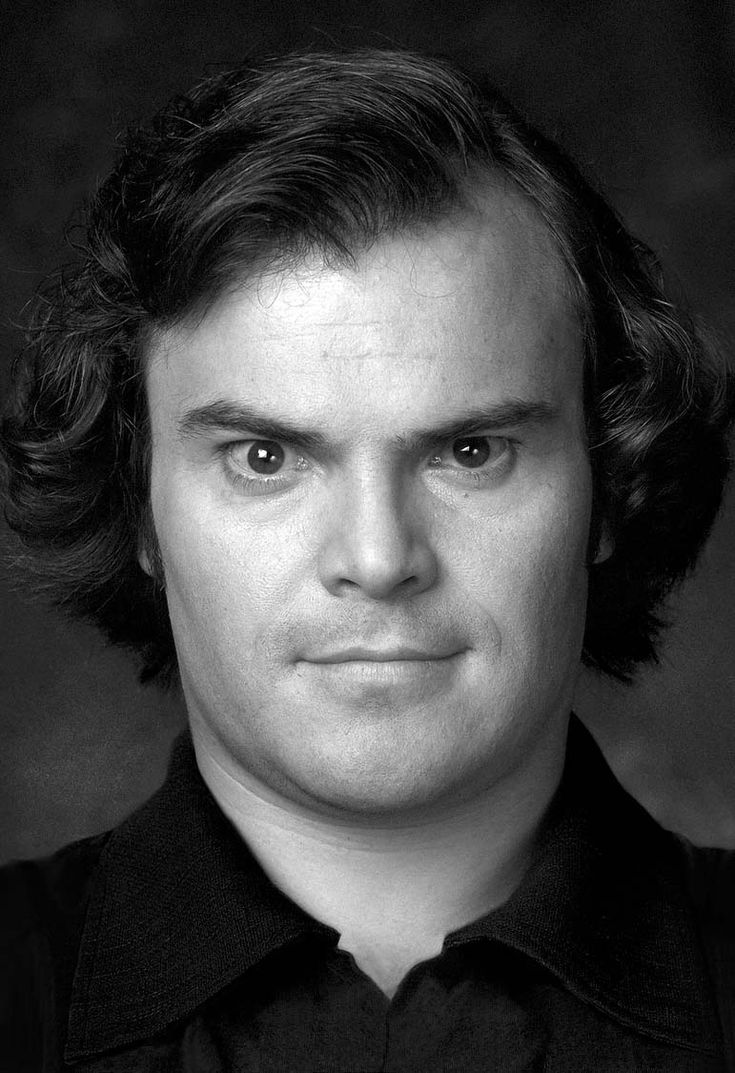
[478, 301]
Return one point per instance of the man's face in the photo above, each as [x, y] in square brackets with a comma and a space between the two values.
[371, 491]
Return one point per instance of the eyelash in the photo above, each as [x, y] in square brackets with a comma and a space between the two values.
[264, 484]
[487, 474]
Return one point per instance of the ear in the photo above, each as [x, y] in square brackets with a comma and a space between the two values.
[145, 562]
[149, 555]
[605, 544]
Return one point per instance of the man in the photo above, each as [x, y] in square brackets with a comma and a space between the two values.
[365, 418]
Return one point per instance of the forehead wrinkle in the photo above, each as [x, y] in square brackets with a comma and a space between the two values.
[526, 252]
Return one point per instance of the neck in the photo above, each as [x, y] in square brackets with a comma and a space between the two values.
[392, 889]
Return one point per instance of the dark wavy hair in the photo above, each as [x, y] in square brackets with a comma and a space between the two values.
[327, 152]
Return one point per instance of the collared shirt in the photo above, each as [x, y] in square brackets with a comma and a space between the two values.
[164, 947]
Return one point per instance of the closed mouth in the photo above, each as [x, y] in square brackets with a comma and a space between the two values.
[396, 654]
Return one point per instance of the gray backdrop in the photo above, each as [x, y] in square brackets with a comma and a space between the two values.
[641, 94]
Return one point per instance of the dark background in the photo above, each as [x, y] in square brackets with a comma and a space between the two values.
[642, 94]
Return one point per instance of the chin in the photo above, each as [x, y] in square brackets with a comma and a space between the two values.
[383, 779]
[379, 799]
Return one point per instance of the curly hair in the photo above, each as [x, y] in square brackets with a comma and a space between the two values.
[327, 152]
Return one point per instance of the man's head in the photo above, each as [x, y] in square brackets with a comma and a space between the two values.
[371, 492]
[388, 241]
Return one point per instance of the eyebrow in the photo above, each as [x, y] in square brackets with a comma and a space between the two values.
[251, 423]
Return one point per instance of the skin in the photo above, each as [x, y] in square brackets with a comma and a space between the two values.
[290, 601]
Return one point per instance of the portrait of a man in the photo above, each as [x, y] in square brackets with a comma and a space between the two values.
[364, 422]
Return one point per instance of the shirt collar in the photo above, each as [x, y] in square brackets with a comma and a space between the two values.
[179, 909]
[605, 908]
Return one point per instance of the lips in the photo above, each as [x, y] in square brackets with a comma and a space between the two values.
[394, 654]
[359, 677]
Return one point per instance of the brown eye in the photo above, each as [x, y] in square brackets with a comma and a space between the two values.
[266, 457]
[471, 452]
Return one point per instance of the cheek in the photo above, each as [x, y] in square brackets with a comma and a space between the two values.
[527, 570]
[225, 578]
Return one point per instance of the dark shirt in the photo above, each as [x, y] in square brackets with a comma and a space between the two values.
[162, 946]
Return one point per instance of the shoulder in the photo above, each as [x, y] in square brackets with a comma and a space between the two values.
[710, 880]
[42, 908]
[37, 896]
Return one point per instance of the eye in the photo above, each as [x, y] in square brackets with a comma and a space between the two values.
[265, 457]
[262, 466]
[471, 452]
[475, 452]
[476, 458]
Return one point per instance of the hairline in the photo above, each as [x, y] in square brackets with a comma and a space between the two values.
[285, 255]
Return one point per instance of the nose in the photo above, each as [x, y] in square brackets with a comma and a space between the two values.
[377, 546]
